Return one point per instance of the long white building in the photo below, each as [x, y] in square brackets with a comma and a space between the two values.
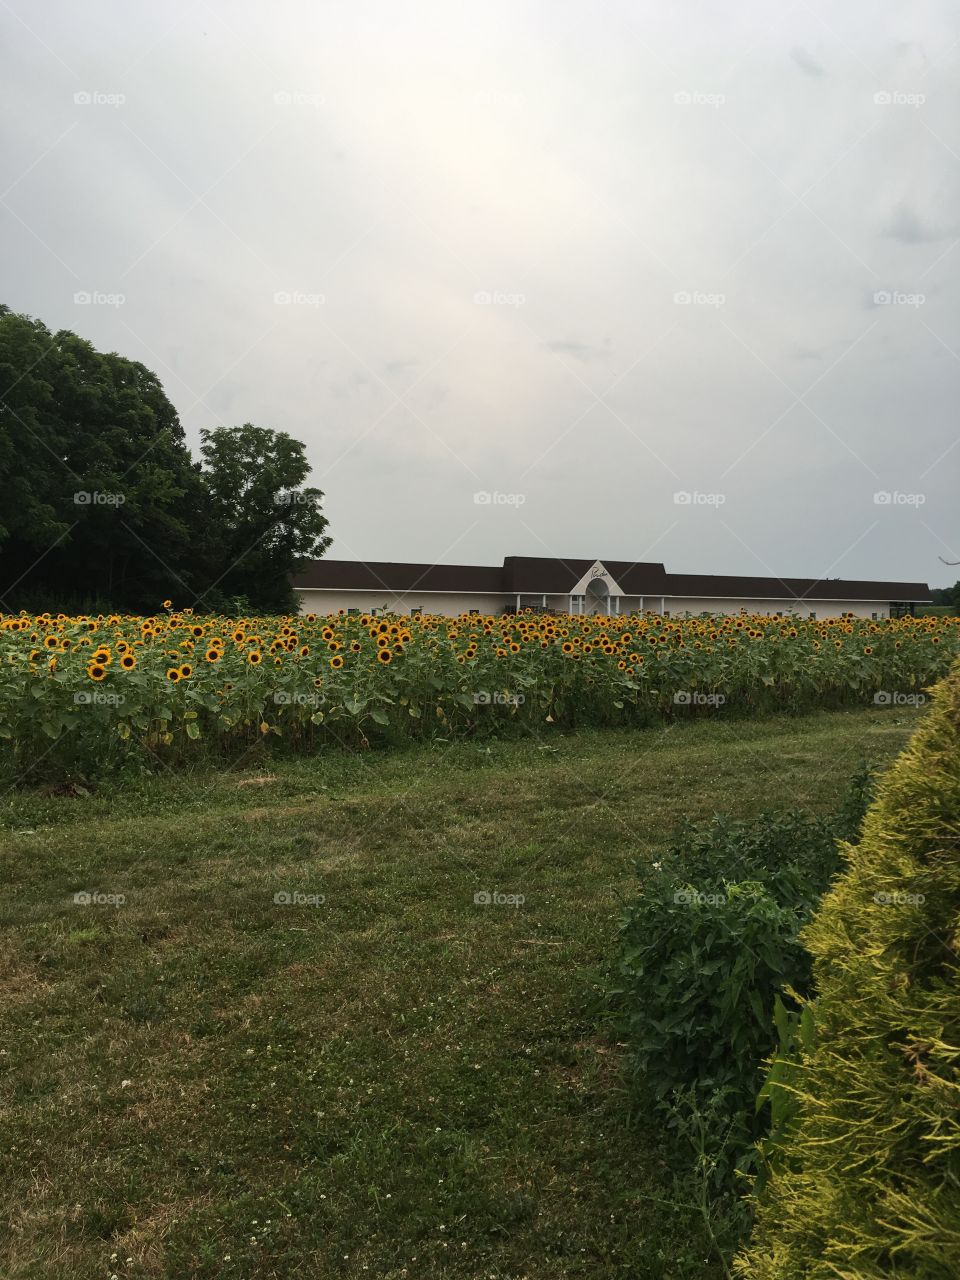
[609, 587]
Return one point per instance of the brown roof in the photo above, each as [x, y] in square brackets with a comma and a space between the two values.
[389, 575]
[720, 587]
[533, 575]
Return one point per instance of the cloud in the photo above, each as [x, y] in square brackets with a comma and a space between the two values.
[909, 228]
[806, 61]
[580, 350]
[386, 162]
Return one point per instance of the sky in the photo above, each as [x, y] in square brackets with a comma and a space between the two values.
[628, 281]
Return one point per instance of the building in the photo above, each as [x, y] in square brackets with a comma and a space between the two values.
[610, 587]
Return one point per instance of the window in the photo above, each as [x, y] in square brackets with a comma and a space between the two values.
[874, 616]
[813, 614]
[415, 613]
[352, 611]
[474, 611]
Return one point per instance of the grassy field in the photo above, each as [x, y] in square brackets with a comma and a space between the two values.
[200, 1081]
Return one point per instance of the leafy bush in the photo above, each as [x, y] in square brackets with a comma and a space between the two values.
[711, 939]
[707, 948]
[870, 1183]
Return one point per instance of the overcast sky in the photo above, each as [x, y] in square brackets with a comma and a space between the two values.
[447, 245]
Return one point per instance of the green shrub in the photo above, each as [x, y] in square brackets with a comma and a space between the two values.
[869, 1186]
[711, 939]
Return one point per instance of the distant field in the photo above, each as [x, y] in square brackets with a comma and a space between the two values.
[82, 695]
[199, 1080]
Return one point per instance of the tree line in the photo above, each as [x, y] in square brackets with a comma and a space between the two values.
[103, 508]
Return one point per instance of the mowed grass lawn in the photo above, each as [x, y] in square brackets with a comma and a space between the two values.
[397, 1082]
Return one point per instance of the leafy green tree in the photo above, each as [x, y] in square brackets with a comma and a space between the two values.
[946, 595]
[262, 523]
[96, 482]
[32, 435]
[101, 501]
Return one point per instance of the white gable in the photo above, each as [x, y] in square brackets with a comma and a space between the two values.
[596, 570]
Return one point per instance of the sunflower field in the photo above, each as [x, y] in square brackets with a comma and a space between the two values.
[90, 693]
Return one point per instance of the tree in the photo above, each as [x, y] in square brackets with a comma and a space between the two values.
[100, 500]
[31, 435]
[261, 524]
[946, 595]
[96, 482]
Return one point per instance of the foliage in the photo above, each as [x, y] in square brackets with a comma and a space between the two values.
[261, 521]
[870, 1183]
[707, 945]
[86, 692]
[100, 498]
[947, 596]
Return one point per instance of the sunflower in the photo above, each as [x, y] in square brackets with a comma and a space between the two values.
[213, 654]
[96, 671]
[384, 656]
[173, 674]
[186, 671]
[336, 662]
[128, 662]
[168, 604]
[254, 657]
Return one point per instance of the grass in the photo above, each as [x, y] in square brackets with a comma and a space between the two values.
[397, 1082]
